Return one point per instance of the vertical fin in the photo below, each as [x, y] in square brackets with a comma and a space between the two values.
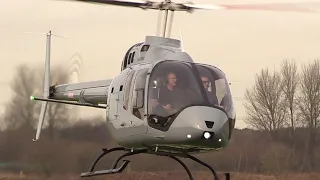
[46, 86]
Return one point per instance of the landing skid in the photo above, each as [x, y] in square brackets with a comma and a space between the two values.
[130, 152]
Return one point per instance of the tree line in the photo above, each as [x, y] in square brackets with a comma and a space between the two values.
[282, 115]
[288, 98]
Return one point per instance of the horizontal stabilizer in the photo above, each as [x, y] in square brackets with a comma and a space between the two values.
[45, 100]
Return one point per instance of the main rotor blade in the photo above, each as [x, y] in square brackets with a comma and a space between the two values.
[136, 3]
[190, 7]
[294, 7]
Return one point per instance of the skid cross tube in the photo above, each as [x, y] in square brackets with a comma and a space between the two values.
[91, 171]
[175, 158]
[114, 168]
[128, 154]
[145, 151]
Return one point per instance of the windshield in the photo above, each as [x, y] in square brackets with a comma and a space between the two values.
[175, 85]
[217, 88]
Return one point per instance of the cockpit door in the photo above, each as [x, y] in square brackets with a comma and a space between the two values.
[115, 103]
[136, 101]
[112, 109]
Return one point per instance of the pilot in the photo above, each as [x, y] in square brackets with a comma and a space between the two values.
[169, 96]
[211, 95]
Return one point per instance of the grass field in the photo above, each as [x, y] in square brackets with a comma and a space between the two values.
[176, 175]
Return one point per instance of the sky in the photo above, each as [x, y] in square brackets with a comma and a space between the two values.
[240, 43]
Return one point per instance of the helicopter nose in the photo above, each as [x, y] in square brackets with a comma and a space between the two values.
[201, 123]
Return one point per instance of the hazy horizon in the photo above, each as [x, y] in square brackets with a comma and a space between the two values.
[240, 43]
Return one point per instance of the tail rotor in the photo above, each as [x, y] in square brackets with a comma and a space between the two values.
[46, 83]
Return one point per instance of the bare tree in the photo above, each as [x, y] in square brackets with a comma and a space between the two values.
[21, 111]
[265, 104]
[310, 104]
[290, 82]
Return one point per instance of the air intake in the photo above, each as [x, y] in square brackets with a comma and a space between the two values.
[209, 124]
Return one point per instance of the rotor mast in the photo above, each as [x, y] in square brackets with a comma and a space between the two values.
[167, 25]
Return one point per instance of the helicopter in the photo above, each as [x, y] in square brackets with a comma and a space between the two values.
[162, 102]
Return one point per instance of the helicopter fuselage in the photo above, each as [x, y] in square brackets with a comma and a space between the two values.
[162, 102]
[135, 111]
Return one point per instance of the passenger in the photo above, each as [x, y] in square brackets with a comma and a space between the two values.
[225, 101]
[205, 82]
[212, 96]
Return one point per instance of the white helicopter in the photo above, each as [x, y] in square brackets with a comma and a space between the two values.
[162, 102]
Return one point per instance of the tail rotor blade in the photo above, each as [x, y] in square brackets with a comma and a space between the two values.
[33, 33]
[59, 36]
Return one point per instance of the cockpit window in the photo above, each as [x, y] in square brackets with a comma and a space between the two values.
[216, 87]
[172, 86]
[213, 83]
[175, 85]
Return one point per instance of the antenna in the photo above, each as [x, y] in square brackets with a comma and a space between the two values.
[46, 83]
[182, 45]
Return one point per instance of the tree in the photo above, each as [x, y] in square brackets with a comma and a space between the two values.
[20, 111]
[276, 159]
[310, 104]
[265, 104]
[290, 82]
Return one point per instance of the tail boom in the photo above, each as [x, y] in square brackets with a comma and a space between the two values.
[92, 92]
[81, 94]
